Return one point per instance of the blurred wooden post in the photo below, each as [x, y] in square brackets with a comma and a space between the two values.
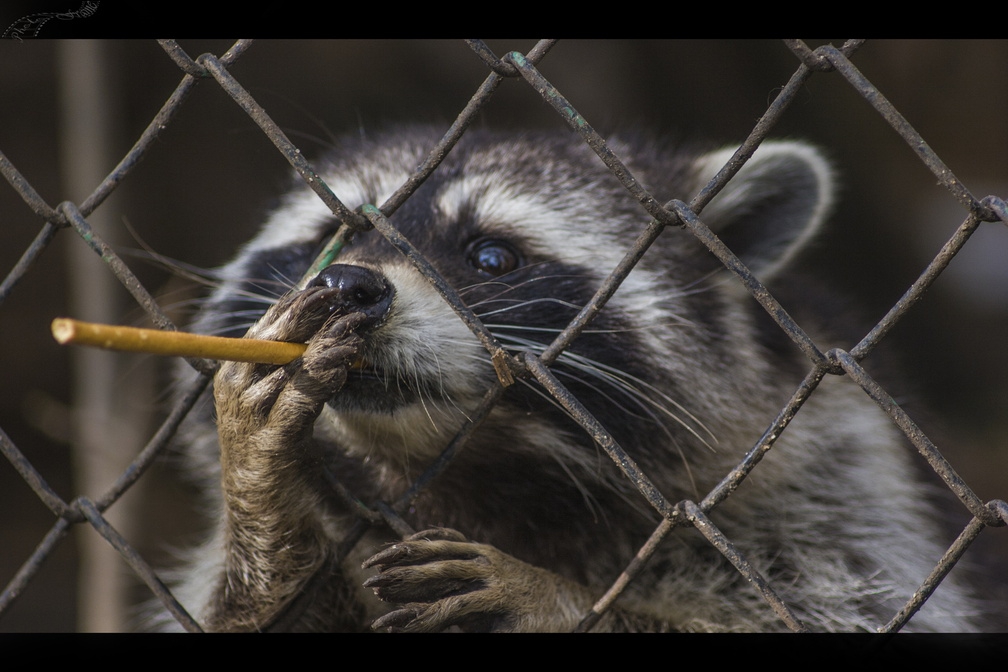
[107, 431]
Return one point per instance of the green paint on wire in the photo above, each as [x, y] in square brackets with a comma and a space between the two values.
[328, 255]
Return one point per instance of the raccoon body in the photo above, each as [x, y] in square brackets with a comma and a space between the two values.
[531, 522]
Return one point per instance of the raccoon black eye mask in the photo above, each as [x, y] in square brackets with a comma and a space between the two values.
[531, 522]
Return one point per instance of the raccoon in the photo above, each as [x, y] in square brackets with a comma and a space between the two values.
[531, 522]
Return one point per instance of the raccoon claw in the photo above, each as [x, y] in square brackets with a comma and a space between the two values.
[440, 579]
[407, 551]
[398, 620]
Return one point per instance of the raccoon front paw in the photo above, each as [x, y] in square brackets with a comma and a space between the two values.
[290, 397]
[270, 466]
[441, 579]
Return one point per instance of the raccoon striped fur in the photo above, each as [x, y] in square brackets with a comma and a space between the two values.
[532, 522]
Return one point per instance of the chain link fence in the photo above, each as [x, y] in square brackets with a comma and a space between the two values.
[105, 484]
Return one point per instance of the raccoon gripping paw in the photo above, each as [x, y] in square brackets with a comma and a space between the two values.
[289, 398]
[441, 579]
[270, 465]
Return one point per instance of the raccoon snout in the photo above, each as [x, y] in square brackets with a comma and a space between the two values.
[361, 290]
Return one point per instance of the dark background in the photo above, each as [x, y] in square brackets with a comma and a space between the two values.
[202, 189]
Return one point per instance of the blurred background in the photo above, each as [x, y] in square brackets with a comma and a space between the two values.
[70, 109]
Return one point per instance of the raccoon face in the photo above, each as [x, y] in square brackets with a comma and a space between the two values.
[526, 228]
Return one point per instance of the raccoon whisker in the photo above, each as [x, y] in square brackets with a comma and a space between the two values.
[440, 375]
[615, 485]
[263, 294]
[701, 284]
[232, 320]
[648, 413]
[281, 278]
[591, 502]
[644, 403]
[506, 286]
[203, 276]
[249, 296]
[619, 382]
[655, 326]
[624, 381]
[421, 387]
[264, 290]
[523, 304]
[411, 379]
[629, 385]
[420, 396]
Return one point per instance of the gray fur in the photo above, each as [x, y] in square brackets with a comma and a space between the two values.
[533, 522]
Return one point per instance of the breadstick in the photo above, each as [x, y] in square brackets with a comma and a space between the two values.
[174, 343]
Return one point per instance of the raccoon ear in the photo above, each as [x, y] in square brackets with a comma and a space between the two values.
[771, 208]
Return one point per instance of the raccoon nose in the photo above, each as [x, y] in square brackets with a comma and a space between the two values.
[361, 290]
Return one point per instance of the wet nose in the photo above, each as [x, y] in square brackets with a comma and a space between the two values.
[361, 290]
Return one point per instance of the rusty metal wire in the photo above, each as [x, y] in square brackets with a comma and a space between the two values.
[71, 219]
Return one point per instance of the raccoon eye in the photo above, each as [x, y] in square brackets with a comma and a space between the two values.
[493, 257]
